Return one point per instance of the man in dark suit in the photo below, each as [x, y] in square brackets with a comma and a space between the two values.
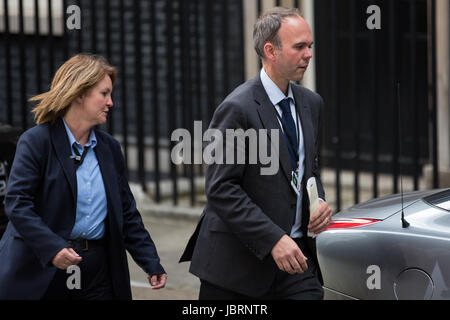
[251, 240]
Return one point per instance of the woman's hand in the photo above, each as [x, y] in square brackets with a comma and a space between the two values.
[157, 281]
[65, 258]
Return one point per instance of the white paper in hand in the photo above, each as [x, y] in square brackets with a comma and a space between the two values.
[313, 195]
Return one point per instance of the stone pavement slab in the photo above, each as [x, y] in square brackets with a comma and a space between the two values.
[170, 235]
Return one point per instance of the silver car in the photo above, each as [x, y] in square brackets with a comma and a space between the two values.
[368, 253]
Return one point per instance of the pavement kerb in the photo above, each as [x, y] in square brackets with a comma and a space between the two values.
[146, 206]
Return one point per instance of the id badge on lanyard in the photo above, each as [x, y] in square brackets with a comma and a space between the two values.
[295, 183]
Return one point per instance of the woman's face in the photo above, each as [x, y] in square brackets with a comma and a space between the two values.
[97, 101]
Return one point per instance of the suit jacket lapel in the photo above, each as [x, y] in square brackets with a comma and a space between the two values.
[106, 163]
[63, 152]
[307, 129]
[268, 117]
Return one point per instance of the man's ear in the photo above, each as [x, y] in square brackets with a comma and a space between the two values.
[270, 51]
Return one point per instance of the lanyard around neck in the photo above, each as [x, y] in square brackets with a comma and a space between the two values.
[79, 158]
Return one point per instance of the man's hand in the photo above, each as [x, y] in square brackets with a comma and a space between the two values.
[65, 258]
[157, 281]
[288, 256]
[320, 220]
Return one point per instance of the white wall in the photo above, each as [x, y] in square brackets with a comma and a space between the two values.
[443, 101]
[29, 13]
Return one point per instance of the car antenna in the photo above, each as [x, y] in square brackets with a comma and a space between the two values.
[405, 224]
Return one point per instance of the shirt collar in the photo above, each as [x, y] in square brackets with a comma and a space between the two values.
[92, 142]
[272, 90]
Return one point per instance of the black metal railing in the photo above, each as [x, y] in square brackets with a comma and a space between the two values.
[359, 72]
[176, 59]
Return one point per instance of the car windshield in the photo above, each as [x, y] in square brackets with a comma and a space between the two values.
[440, 199]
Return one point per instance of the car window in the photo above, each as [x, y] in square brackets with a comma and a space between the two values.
[440, 199]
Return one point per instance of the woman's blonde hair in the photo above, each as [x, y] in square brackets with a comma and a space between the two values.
[74, 78]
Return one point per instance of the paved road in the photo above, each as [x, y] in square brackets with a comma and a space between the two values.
[170, 236]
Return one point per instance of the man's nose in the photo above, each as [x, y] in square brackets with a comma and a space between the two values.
[308, 53]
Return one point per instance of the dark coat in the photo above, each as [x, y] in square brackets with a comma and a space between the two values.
[41, 205]
[246, 212]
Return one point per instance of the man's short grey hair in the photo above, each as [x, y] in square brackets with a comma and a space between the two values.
[267, 26]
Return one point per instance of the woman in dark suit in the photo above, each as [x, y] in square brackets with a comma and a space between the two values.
[68, 198]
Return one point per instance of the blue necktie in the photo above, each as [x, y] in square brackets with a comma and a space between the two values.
[289, 126]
